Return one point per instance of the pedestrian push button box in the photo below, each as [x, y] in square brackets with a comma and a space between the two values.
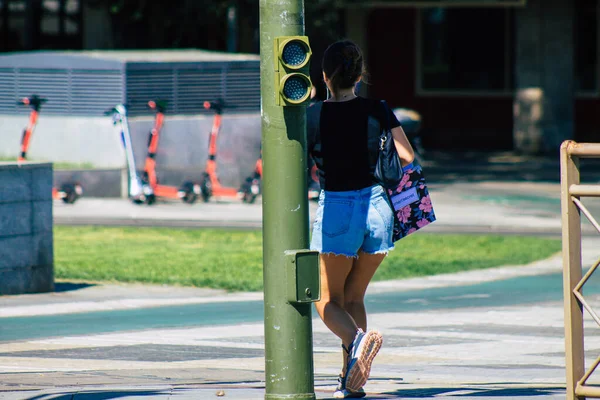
[303, 282]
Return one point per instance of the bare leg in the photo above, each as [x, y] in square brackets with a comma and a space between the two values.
[356, 286]
[334, 271]
[358, 280]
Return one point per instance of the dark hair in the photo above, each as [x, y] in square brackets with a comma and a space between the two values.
[343, 63]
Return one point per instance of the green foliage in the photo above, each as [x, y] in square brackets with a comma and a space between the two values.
[160, 24]
[144, 24]
[203, 24]
[426, 254]
[205, 258]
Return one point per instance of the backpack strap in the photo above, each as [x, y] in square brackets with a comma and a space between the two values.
[386, 115]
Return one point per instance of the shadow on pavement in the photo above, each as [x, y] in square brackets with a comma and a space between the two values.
[70, 286]
[97, 395]
[465, 391]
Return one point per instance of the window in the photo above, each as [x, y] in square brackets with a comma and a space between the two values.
[13, 22]
[452, 57]
[3, 23]
[435, 3]
[46, 24]
[586, 46]
[60, 24]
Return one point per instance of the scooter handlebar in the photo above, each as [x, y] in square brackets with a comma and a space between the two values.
[159, 105]
[115, 109]
[33, 101]
[217, 105]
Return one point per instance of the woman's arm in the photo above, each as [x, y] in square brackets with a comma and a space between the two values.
[403, 147]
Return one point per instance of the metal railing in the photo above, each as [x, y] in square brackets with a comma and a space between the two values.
[573, 280]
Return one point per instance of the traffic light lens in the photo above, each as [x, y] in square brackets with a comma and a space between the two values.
[295, 88]
[294, 54]
[292, 70]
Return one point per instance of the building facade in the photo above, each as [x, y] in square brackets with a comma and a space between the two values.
[484, 74]
[487, 74]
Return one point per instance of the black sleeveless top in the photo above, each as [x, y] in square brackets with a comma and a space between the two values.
[343, 139]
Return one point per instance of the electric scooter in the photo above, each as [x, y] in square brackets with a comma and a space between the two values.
[137, 192]
[189, 191]
[210, 185]
[251, 188]
[314, 187]
[69, 192]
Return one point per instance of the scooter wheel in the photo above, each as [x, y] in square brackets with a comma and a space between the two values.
[72, 192]
[206, 189]
[150, 199]
[189, 192]
[244, 192]
[248, 198]
[250, 190]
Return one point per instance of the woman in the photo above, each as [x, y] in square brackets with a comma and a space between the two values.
[354, 222]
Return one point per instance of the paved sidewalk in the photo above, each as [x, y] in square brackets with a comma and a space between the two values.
[482, 349]
[487, 334]
[478, 207]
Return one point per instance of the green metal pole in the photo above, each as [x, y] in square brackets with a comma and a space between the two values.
[288, 327]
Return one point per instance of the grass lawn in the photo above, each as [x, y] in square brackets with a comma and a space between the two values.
[57, 165]
[232, 259]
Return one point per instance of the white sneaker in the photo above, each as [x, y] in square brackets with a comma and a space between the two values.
[342, 393]
[363, 350]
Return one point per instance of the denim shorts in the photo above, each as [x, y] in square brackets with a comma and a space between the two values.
[346, 222]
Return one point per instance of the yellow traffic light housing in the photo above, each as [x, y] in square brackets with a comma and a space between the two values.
[292, 70]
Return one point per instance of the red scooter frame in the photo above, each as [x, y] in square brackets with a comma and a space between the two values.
[210, 185]
[189, 191]
[251, 188]
[69, 192]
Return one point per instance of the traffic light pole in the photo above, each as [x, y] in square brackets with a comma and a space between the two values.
[288, 324]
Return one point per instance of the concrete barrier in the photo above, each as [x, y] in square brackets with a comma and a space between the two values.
[26, 241]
